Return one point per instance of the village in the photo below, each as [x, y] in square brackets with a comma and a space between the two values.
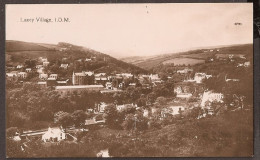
[184, 95]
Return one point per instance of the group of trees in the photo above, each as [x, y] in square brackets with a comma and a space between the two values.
[230, 134]
[128, 118]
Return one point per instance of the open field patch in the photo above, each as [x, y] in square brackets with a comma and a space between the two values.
[185, 61]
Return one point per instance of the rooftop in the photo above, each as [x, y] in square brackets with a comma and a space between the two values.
[79, 87]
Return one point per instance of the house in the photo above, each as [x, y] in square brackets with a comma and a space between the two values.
[211, 96]
[54, 135]
[109, 85]
[182, 91]
[42, 84]
[146, 113]
[198, 77]
[101, 107]
[78, 78]
[22, 75]
[127, 75]
[89, 73]
[51, 81]
[12, 74]
[28, 69]
[62, 49]
[240, 64]
[100, 74]
[231, 79]
[132, 84]
[90, 122]
[101, 78]
[63, 82]
[43, 76]
[122, 107]
[185, 71]
[211, 59]
[154, 77]
[64, 66]
[19, 66]
[55, 76]
[38, 66]
[247, 64]
[45, 64]
[40, 70]
[87, 59]
[184, 95]
[43, 59]
[173, 110]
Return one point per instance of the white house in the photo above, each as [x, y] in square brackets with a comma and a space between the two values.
[19, 66]
[43, 59]
[100, 74]
[12, 74]
[22, 75]
[45, 63]
[28, 69]
[101, 107]
[132, 84]
[146, 113]
[211, 96]
[89, 73]
[38, 66]
[54, 135]
[247, 64]
[109, 85]
[198, 77]
[184, 95]
[173, 110]
[128, 75]
[64, 66]
[154, 77]
[43, 76]
[176, 109]
[121, 107]
[184, 71]
[55, 76]
[87, 59]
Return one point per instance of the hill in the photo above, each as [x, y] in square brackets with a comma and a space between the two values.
[191, 57]
[17, 52]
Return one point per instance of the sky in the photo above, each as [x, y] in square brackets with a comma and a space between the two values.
[124, 30]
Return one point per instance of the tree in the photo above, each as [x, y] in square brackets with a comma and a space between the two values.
[10, 132]
[161, 101]
[78, 117]
[65, 120]
[30, 63]
[129, 122]
[112, 117]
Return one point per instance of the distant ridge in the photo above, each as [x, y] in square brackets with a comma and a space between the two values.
[18, 51]
[153, 61]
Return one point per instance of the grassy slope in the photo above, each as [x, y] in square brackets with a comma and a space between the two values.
[17, 52]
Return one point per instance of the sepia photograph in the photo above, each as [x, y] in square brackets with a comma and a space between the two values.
[129, 80]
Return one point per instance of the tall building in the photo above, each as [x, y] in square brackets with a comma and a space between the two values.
[78, 78]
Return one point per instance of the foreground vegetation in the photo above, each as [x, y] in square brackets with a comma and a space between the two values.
[230, 134]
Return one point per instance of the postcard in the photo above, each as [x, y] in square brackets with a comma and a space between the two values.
[129, 80]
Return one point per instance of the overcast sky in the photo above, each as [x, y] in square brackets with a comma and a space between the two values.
[122, 30]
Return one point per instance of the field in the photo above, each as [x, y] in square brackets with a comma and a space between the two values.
[193, 56]
[186, 61]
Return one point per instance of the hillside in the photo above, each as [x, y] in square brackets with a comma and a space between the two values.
[189, 57]
[17, 52]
